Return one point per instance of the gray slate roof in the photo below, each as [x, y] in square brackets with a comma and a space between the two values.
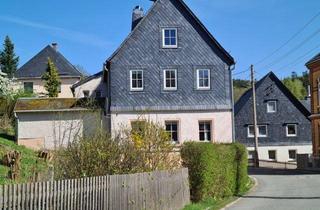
[307, 103]
[37, 65]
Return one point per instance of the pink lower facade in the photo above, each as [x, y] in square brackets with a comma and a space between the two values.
[188, 123]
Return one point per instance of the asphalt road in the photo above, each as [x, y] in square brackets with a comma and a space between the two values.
[279, 189]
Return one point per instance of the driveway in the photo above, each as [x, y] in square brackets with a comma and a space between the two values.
[280, 189]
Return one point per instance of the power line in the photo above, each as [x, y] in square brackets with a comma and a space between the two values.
[297, 60]
[290, 39]
[293, 50]
[248, 69]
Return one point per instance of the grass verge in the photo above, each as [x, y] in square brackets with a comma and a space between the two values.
[213, 204]
[30, 163]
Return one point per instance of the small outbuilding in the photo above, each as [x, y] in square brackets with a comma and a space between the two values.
[50, 123]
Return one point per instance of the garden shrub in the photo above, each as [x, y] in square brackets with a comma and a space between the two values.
[145, 149]
[215, 170]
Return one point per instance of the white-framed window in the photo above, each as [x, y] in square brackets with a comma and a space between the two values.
[272, 154]
[172, 130]
[170, 79]
[272, 106]
[169, 37]
[136, 80]
[291, 130]
[203, 79]
[292, 155]
[262, 131]
[205, 130]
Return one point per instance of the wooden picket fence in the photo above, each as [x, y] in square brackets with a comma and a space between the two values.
[157, 190]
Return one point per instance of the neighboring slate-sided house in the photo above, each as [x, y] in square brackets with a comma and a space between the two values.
[172, 69]
[283, 123]
[29, 75]
[93, 86]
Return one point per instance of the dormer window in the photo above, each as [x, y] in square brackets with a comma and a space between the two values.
[272, 106]
[169, 38]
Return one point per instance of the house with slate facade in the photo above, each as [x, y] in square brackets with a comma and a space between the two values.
[173, 71]
[283, 121]
[29, 75]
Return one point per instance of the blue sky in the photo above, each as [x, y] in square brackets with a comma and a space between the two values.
[89, 31]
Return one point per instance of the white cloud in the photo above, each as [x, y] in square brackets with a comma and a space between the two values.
[71, 35]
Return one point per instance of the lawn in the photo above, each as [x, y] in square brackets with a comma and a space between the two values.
[212, 204]
[30, 163]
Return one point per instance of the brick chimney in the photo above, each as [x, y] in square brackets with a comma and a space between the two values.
[137, 15]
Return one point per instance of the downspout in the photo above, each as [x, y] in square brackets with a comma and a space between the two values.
[108, 113]
[231, 68]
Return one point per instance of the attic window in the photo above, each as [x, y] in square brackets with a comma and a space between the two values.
[169, 38]
[271, 106]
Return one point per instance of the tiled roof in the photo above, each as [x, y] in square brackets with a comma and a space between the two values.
[37, 65]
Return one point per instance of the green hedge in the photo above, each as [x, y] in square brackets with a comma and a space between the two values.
[215, 170]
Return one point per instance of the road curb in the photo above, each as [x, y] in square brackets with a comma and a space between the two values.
[238, 199]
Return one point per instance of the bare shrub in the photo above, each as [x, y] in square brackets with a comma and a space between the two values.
[130, 151]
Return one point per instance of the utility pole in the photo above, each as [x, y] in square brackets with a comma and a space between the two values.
[254, 106]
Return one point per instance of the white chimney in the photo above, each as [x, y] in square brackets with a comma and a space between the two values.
[55, 46]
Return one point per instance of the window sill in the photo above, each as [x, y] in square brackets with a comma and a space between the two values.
[170, 90]
[136, 90]
[169, 47]
[203, 89]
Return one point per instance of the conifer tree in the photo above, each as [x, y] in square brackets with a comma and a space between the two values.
[52, 80]
[8, 59]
